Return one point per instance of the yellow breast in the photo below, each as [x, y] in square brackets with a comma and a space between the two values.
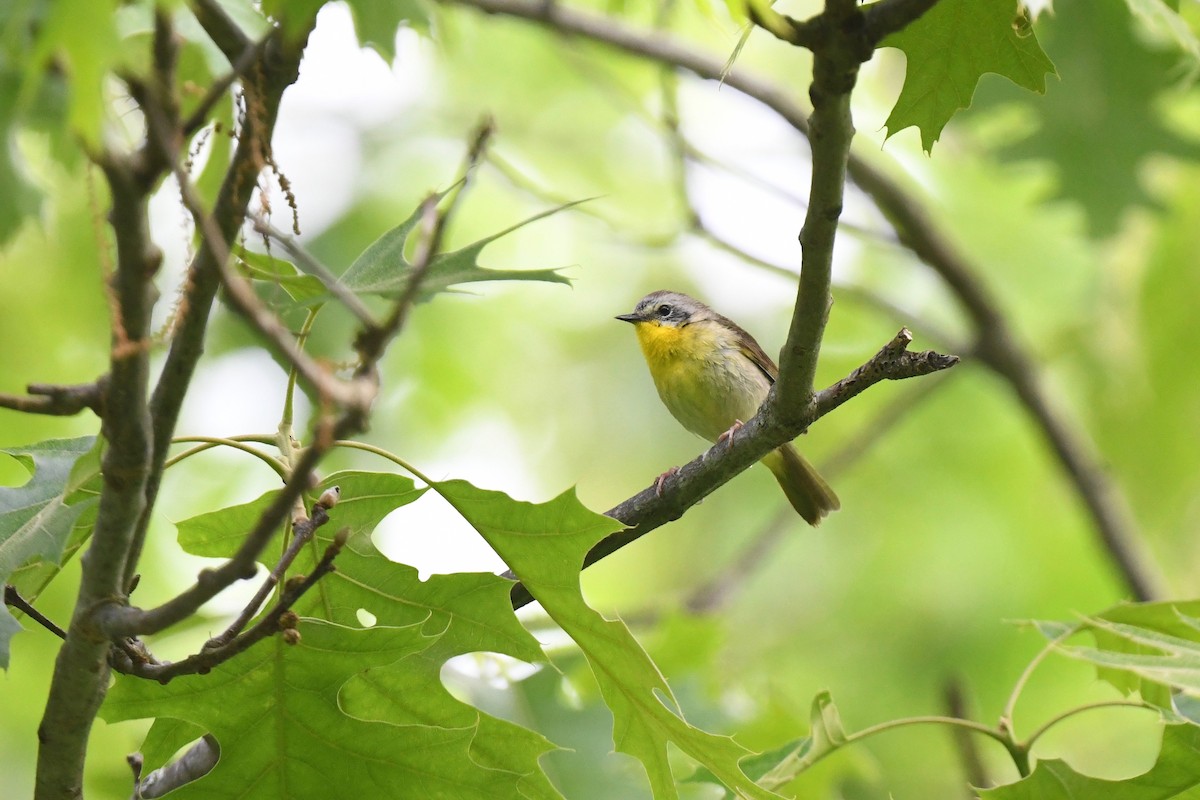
[701, 375]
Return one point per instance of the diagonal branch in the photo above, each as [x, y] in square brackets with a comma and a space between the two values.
[302, 533]
[279, 618]
[116, 620]
[999, 347]
[13, 598]
[694, 481]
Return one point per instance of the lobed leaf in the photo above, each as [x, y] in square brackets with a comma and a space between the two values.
[949, 48]
[545, 544]
[276, 712]
[377, 23]
[1149, 648]
[383, 268]
[1150, 654]
[456, 614]
[1104, 94]
[1173, 776]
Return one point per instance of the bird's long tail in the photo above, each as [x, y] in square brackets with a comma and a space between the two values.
[806, 490]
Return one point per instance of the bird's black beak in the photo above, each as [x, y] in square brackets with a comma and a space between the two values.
[629, 317]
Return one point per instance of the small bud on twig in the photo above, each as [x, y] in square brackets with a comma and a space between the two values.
[329, 498]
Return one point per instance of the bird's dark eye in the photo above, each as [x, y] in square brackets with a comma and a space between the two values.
[664, 310]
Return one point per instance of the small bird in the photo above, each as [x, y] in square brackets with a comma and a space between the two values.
[712, 375]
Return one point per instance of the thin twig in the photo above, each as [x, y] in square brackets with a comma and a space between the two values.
[270, 624]
[13, 598]
[120, 620]
[302, 531]
[199, 117]
[309, 264]
[59, 401]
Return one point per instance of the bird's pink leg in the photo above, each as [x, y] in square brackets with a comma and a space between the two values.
[734, 428]
[659, 483]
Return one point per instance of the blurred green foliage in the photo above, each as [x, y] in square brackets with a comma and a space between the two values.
[1078, 206]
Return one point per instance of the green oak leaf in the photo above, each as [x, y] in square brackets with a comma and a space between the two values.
[468, 613]
[1173, 776]
[271, 269]
[165, 738]
[949, 48]
[545, 544]
[276, 712]
[383, 269]
[1148, 648]
[462, 613]
[410, 692]
[376, 23]
[37, 518]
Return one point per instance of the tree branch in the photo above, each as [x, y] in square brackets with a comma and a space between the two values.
[302, 533]
[193, 765]
[220, 27]
[59, 401]
[13, 598]
[81, 669]
[115, 620]
[694, 481]
[279, 618]
[276, 69]
[999, 348]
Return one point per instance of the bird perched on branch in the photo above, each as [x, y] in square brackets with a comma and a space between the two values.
[712, 375]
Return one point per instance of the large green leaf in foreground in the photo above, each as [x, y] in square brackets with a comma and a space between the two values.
[949, 49]
[544, 544]
[1173, 776]
[453, 614]
[283, 733]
